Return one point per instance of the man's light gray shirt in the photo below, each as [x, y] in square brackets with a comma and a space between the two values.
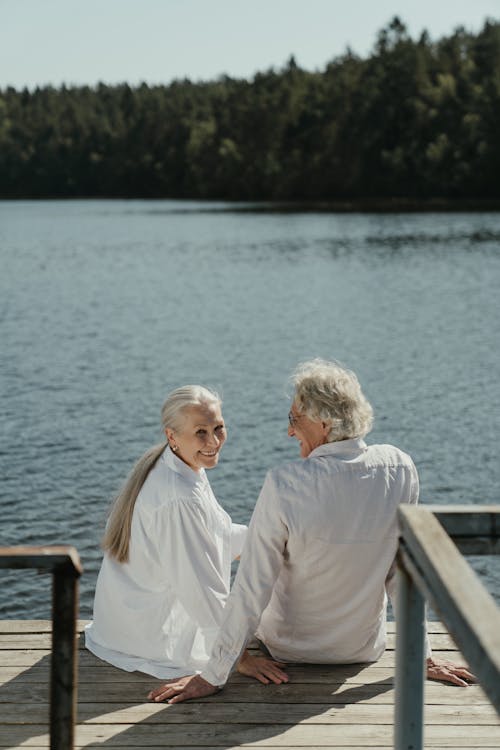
[316, 566]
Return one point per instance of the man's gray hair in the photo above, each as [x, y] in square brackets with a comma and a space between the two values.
[327, 392]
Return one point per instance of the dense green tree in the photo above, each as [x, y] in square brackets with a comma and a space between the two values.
[415, 119]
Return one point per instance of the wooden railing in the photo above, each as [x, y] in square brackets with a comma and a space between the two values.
[432, 568]
[64, 564]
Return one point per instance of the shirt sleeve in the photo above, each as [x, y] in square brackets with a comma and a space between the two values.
[261, 562]
[190, 556]
[414, 484]
[390, 583]
[238, 535]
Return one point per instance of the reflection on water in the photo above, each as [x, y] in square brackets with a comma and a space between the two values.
[426, 240]
[105, 306]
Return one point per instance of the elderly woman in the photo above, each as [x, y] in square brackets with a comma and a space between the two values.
[168, 548]
[319, 557]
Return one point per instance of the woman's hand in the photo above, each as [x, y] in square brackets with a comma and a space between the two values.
[440, 669]
[182, 689]
[262, 668]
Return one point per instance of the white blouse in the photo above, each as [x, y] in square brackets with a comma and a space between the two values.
[159, 613]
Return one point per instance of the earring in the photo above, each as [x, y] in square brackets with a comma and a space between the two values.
[174, 448]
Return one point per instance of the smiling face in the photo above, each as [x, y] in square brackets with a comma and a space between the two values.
[201, 435]
[309, 434]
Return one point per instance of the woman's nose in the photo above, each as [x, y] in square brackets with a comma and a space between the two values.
[214, 440]
[291, 431]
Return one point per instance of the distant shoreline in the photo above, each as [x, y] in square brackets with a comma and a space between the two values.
[360, 205]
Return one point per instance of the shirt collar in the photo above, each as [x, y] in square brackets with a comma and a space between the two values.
[341, 448]
[176, 464]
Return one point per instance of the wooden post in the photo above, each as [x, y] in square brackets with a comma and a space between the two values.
[63, 681]
[450, 585]
[410, 671]
[64, 564]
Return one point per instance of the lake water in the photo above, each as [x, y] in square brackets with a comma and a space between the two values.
[108, 305]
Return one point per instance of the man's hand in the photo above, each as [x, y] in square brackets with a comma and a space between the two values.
[183, 689]
[440, 669]
[263, 668]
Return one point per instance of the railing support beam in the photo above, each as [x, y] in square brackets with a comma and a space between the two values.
[65, 566]
[63, 678]
[410, 664]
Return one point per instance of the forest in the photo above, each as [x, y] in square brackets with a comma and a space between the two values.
[416, 119]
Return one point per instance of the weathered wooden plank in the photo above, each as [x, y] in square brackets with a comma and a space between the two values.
[251, 745]
[90, 677]
[131, 693]
[34, 626]
[298, 675]
[474, 529]
[272, 735]
[16, 665]
[32, 641]
[247, 713]
[52, 558]
[303, 675]
[30, 658]
[42, 641]
[45, 626]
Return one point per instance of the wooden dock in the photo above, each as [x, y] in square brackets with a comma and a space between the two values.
[341, 707]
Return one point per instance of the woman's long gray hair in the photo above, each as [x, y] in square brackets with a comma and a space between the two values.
[116, 539]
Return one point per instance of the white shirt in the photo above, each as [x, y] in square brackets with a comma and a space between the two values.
[160, 612]
[319, 550]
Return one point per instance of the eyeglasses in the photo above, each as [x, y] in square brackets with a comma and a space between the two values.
[293, 418]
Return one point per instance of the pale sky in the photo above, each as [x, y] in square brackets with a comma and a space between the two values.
[85, 41]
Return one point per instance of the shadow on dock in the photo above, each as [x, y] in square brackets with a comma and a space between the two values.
[322, 707]
[113, 710]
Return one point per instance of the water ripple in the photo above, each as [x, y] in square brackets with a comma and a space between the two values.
[106, 306]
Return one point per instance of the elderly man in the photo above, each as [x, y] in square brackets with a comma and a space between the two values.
[318, 562]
